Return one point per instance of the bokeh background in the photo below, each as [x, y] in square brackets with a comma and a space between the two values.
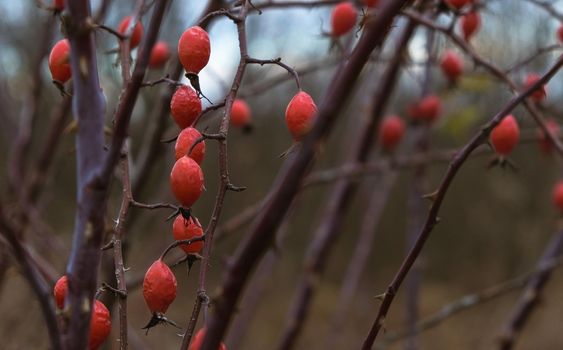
[495, 223]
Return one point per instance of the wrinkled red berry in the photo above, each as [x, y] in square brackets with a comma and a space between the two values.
[184, 142]
[159, 287]
[300, 114]
[557, 195]
[371, 3]
[426, 110]
[391, 131]
[198, 341]
[240, 113]
[188, 229]
[137, 34]
[60, 290]
[59, 5]
[452, 65]
[160, 54]
[458, 4]
[544, 142]
[100, 325]
[343, 19]
[470, 23]
[194, 49]
[539, 94]
[186, 181]
[185, 106]
[505, 136]
[59, 61]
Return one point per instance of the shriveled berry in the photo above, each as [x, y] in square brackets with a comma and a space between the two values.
[458, 4]
[59, 61]
[343, 19]
[505, 136]
[137, 34]
[452, 65]
[60, 290]
[391, 131]
[186, 181]
[426, 110]
[470, 23]
[159, 287]
[197, 341]
[188, 229]
[560, 33]
[557, 195]
[100, 325]
[59, 5]
[194, 49]
[539, 94]
[300, 114]
[185, 106]
[371, 3]
[185, 141]
[545, 143]
[240, 113]
[160, 54]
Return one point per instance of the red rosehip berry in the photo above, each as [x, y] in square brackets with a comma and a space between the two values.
[100, 325]
[544, 142]
[198, 341]
[160, 54]
[539, 94]
[60, 291]
[557, 195]
[343, 18]
[186, 181]
[470, 23]
[159, 287]
[185, 106]
[505, 136]
[426, 110]
[458, 4]
[391, 131]
[371, 3]
[187, 229]
[300, 114]
[184, 142]
[452, 65]
[59, 5]
[59, 61]
[194, 49]
[137, 34]
[560, 33]
[240, 114]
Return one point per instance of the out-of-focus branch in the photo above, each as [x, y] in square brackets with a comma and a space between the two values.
[288, 182]
[438, 197]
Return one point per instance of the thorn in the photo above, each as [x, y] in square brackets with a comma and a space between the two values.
[380, 297]
[431, 196]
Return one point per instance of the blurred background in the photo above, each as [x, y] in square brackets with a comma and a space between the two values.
[494, 223]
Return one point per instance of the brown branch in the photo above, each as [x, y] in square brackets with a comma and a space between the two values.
[438, 197]
[295, 3]
[531, 296]
[288, 182]
[278, 62]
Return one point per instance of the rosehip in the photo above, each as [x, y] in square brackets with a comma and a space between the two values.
[186, 180]
[458, 4]
[185, 106]
[558, 195]
[240, 113]
[371, 3]
[505, 136]
[194, 49]
[470, 23]
[59, 5]
[198, 340]
[60, 291]
[560, 33]
[184, 142]
[100, 325]
[391, 131]
[188, 229]
[159, 287]
[452, 65]
[539, 94]
[137, 34]
[160, 53]
[544, 142]
[300, 114]
[426, 110]
[343, 18]
[59, 61]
